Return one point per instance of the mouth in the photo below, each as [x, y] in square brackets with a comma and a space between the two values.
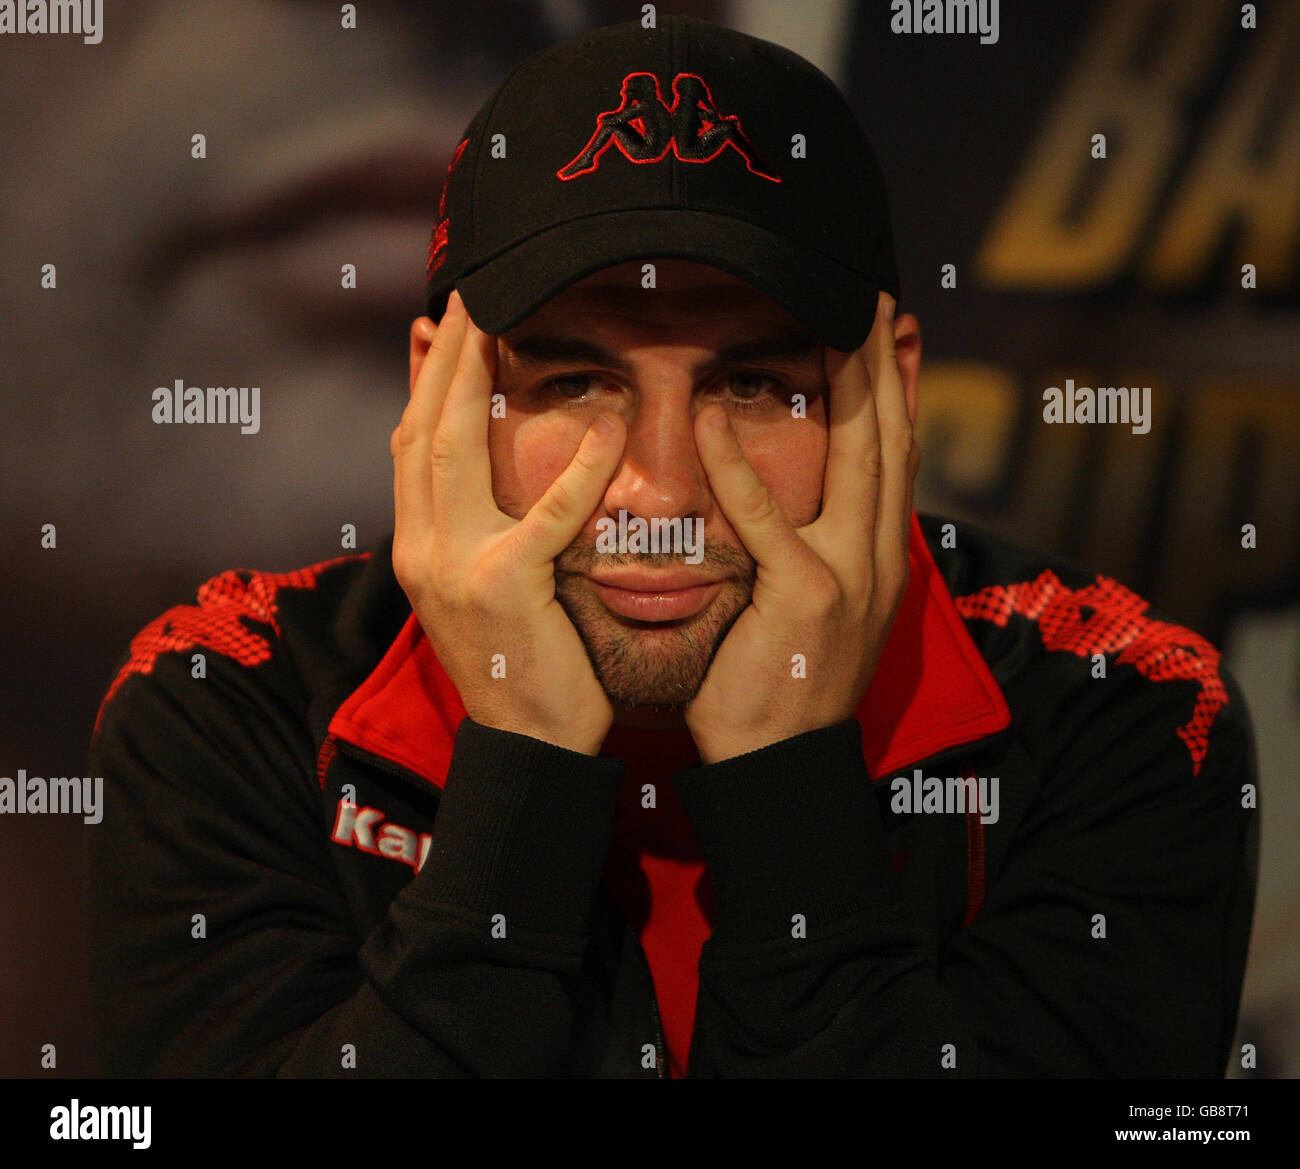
[657, 597]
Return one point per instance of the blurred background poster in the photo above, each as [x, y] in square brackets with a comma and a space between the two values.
[127, 263]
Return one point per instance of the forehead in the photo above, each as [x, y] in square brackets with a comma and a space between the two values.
[684, 292]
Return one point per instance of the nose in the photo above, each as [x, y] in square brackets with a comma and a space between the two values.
[660, 475]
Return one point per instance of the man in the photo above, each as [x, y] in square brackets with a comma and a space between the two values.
[665, 739]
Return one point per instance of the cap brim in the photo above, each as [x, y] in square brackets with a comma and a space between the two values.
[835, 303]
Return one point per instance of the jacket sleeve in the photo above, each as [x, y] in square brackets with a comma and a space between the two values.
[211, 808]
[1118, 827]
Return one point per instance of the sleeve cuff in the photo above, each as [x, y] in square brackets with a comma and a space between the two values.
[791, 828]
[522, 830]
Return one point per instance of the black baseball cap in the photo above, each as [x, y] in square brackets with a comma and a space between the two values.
[688, 141]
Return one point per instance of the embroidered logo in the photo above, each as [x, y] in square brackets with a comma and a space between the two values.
[1106, 618]
[438, 243]
[645, 128]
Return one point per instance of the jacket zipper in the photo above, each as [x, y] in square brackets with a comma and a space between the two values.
[661, 1054]
[661, 1048]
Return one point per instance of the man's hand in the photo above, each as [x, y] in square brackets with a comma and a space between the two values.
[481, 583]
[828, 591]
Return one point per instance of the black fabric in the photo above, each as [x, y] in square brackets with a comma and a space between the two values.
[213, 806]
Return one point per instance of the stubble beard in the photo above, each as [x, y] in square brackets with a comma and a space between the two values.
[661, 665]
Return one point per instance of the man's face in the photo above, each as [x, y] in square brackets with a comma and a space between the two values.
[667, 353]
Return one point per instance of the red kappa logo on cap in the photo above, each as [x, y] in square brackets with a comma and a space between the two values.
[644, 127]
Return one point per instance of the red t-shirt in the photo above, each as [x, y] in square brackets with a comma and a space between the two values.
[657, 877]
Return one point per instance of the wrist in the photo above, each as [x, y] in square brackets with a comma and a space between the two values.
[578, 740]
[717, 748]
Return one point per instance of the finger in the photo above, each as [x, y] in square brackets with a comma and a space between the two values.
[462, 465]
[555, 520]
[851, 484]
[897, 462]
[411, 441]
[751, 510]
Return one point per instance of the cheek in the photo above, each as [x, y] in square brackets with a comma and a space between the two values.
[528, 453]
[791, 460]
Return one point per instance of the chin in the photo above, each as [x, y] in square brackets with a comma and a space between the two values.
[658, 666]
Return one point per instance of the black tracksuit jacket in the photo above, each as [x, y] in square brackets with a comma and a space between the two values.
[312, 863]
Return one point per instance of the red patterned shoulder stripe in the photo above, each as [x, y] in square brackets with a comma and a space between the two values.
[1106, 618]
[216, 622]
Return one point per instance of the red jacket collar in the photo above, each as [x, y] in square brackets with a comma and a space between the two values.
[931, 691]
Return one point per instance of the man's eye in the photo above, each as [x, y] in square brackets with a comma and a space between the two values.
[570, 387]
[747, 384]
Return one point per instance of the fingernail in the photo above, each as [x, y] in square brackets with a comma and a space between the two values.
[455, 305]
[602, 425]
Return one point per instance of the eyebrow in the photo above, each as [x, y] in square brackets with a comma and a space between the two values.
[555, 349]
